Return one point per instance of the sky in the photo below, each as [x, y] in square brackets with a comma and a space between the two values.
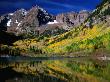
[52, 6]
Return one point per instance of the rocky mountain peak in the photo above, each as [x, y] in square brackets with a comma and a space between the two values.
[22, 19]
[36, 17]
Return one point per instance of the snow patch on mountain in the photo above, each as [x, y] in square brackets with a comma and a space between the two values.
[54, 22]
[11, 14]
[19, 24]
[9, 22]
[16, 21]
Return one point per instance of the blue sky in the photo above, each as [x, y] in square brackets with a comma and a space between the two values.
[52, 6]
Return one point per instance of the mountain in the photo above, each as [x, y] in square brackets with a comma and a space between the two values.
[38, 21]
[25, 21]
[21, 19]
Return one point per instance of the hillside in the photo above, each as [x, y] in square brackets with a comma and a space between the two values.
[90, 36]
[83, 39]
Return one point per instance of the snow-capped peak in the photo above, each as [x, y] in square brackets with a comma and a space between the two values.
[41, 9]
[24, 12]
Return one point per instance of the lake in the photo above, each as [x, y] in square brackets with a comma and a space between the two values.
[51, 69]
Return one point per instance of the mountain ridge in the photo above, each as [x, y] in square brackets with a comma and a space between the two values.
[22, 21]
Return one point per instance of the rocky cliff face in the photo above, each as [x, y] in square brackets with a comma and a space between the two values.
[72, 19]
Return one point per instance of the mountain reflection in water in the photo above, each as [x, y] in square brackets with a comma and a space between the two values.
[9, 75]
